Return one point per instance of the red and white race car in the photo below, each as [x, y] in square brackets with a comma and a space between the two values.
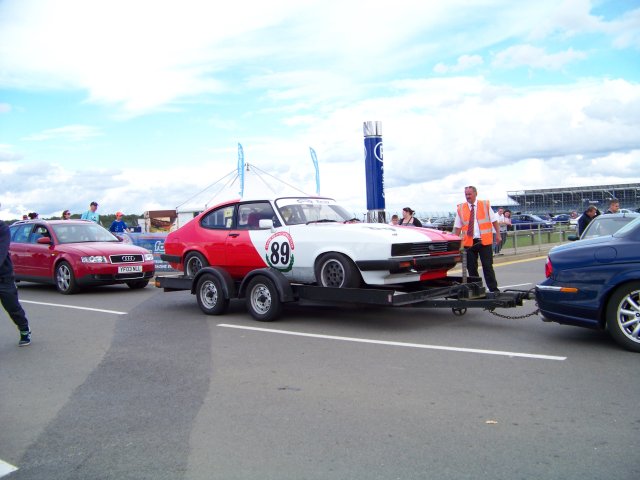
[310, 240]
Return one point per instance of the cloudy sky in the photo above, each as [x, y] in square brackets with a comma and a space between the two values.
[141, 104]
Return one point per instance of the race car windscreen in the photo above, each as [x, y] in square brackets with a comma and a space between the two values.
[299, 211]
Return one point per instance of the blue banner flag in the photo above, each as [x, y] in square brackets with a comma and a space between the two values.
[241, 169]
[314, 158]
[374, 165]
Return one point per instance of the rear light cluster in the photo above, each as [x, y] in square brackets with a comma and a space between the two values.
[548, 268]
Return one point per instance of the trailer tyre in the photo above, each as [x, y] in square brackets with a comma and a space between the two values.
[623, 316]
[338, 271]
[263, 301]
[210, 295]
[193, 263]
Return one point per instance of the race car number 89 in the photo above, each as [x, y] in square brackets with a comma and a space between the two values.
[280, 253]
[279, 250]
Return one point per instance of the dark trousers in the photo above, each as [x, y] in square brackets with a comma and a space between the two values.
[485, 252]
[9, 298]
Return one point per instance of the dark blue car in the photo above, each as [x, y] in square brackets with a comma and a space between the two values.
[596, 283]
[526, 221]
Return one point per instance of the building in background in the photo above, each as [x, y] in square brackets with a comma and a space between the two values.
[566, 199]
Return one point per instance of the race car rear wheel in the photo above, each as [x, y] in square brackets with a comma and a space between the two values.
[210, 295]
[193, 263]
[337, 270]
[65, 279]
[263, 301]
[623, 316]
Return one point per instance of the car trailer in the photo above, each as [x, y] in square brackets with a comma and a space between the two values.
[266, 290]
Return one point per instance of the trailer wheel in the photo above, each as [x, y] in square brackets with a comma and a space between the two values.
[210, 295]
[623, 316]
[263, 301]
[193, 263]
[459, 311]
[337, 270]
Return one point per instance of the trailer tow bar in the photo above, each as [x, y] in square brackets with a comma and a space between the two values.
[528, 295]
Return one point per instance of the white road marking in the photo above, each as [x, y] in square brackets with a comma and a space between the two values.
[6, 468]
[516, 285]
[114, 312]
[396, 344]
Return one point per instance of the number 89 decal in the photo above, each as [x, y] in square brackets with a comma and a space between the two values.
[279, 251]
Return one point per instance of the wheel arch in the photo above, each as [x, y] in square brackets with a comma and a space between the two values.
[285, 292]
[228, 285]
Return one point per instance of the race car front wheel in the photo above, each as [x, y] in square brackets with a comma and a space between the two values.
[337, 270]
[623, 316]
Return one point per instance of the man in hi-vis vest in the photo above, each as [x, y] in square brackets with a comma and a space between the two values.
[476, 223]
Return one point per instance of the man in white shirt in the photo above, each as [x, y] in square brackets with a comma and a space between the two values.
[475, 222]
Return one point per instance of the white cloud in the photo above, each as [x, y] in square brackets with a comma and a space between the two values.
[147, 55]
[7, 154]
[534, 57]
[465, 62]
[74, 133]
[5, 108]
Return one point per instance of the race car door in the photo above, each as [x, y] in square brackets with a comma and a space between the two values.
[245, 243]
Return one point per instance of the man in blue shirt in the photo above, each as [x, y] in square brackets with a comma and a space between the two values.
[91, 213]
[118, 225]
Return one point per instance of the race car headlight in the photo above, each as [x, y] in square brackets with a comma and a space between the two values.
[94, 259]
[148, 257]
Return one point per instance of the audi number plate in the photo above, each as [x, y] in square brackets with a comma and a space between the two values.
[130, 269]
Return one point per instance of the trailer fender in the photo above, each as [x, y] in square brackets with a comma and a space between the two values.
[280, 281]
[228, 285]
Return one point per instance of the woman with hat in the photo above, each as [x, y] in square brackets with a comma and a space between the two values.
[408, 218]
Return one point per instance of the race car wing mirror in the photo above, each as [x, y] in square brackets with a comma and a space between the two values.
[266, 223]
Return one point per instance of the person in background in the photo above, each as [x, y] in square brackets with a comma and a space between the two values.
[507, 226]
[408, 219]
[8, 290]
[474, 221]
[91, 213]
[614, 206]
[585, 219]
[394, 220]
[502, 222]
[66, 215]
[118, 225]
[33, 215]
[25, 217]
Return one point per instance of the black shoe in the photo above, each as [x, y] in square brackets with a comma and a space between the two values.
[25, 339]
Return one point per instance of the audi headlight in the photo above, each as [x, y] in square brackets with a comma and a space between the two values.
[148, 257]
[94, 259]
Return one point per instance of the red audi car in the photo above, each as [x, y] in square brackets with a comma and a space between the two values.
[74, 253]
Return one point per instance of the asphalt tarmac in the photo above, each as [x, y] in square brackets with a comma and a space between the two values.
[144, 385]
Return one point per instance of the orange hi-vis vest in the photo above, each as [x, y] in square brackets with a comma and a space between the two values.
[484, 222]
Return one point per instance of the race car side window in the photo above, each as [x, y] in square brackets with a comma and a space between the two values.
[250, 214]
[218, 218]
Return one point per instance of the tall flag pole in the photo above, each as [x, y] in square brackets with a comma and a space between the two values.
[314, 158]
[241, 169]
[374, 172]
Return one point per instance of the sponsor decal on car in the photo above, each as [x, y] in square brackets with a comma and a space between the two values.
[279, 249]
